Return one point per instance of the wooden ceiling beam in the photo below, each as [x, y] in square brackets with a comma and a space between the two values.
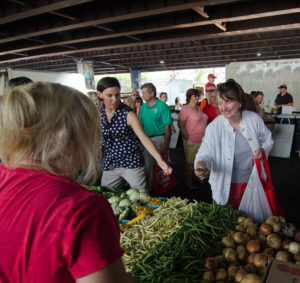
[220, 23]
[127, 16]
[167, 40]
[201, 12]
[41, 10]
[63, 16]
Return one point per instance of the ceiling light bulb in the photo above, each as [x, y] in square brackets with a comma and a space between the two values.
[258, 54]
[161, 61]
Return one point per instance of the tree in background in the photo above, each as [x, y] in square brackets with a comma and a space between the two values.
[200, 76]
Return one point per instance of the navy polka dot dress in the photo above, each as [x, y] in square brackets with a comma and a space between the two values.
[121, 147]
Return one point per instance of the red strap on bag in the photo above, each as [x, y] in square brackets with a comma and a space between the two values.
[162, 183]
[268, 186]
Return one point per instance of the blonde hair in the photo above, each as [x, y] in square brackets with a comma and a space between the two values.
[51, 127]
[130, 101]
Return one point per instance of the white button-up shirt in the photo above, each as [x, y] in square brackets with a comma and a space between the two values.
[217, 149]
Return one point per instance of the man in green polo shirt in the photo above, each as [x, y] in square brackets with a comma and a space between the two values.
[155, 117]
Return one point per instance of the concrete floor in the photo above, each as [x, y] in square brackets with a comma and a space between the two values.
[285, 173]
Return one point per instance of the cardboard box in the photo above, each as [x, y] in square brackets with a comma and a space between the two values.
[282, 272]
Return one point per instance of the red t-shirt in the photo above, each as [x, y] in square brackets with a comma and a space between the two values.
[52, 229]
[209, 85]
[211, 111]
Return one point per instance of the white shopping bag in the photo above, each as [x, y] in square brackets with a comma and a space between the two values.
[254, 201]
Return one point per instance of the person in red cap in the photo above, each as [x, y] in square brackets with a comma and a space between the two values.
[210, 85]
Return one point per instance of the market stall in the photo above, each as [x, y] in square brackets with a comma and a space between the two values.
[174, 240]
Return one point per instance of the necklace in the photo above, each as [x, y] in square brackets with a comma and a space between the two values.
[109, 112]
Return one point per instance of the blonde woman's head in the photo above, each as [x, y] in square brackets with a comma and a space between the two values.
[51, 127]
[128, 101]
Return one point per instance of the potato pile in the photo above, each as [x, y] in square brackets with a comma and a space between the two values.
[250, 247]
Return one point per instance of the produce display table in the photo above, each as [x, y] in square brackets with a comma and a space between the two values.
[182, 241]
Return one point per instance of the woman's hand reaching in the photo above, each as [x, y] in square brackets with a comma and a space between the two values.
[201, 170]
[165, 167]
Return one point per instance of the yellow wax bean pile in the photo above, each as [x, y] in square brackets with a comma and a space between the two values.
[138, 239]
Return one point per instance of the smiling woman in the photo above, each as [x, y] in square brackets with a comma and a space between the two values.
[229, 145]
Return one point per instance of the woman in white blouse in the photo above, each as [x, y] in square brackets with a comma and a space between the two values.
[229, 145]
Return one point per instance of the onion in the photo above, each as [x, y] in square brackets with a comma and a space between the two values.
[210, 263]
[269, 253]
[221, 261]
[209, 276]
[230, 254]
[241, 219]
[250, 268]
[297, 236]
[238, 237]
[265, 229]
[260, 260]
[261, 271]
[232, 271]
[248, 222]
[294, 248]
[246, 238]
[282, 255]
[289, 230]
[228, 242]
[240, 274]
[272, 219]
[251, 278]
[250, 258]
[282, 220]
[221, 274]
[285, 244]
[274, 241]
[240, 228]
[241, 253]
[262, 237]
[231, 233]
[252, 230]
[253, 246]
[276, 227]
[297, 257]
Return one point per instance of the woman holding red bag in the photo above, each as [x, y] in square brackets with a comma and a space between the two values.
[230, 143]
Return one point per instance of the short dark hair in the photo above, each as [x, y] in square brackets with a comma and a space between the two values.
[162, 93]
[150, 88]
[108, 82]
[259, 92]
[19, 81]
[138, 99]
[190, 92]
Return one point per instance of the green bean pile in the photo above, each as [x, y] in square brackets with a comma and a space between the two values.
[139, 239]
[180, 257]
